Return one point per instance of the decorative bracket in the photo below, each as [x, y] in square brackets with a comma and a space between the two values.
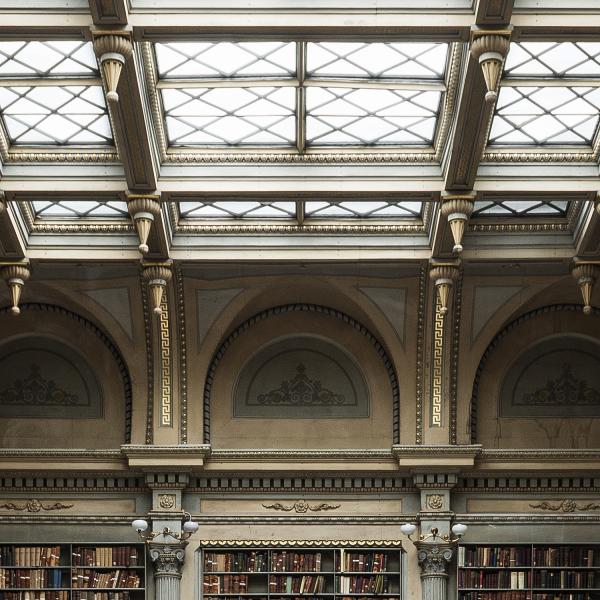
[15, 275]
[143, 210]
[586, 273]
[158, 275]
[444, 274]
[457, 209]
[112, 49]
[490, 48]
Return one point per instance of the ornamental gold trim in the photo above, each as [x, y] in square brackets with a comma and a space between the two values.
[301, 506]
[34, 506]
[567, 506]
[302, 543]
[166, 397]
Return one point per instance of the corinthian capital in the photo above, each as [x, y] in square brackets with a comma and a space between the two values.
[434, 559]
[167, 559]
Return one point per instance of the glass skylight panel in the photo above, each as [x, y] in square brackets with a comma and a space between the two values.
[80, 209]
[237, 209]
[187, 60]
[230, 116]
[546, 115]
[362, 209]
[520, 208]
[552, 59]
[376, 60]
[58, 115]
[47, 59]
[361, 116]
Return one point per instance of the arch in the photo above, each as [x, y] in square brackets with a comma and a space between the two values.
[116, 354]
[499, 337]
[302, 307]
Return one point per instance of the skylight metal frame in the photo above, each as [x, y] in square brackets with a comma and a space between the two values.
[416, 153]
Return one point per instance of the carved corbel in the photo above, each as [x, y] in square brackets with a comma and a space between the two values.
[157, 275]
[443, 274]
[586, 273]
[457, 209]
[15, 276]
[143, 210]
[490, 49]
[112, 50]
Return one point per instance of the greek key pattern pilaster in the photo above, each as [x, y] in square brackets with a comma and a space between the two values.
[166, 389]
[438, 367]
[182, 347]
[455, 356]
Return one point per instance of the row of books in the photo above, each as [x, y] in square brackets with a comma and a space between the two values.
[374, 584]
[106, 556]
[100, 596]
[565, 579]
[307, 584]
[29, 556]
[565, 596]
[489, 556]
[357, 562]
[35, 595]
[225, 584]
[504, 595]
[90, 578]
[295, 561]
[569, 556]
[30, 578]
[235, 561]
[515, 580]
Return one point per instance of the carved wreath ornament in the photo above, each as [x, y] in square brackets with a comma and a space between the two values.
[566, 506]
[301, 506]
[34, 506]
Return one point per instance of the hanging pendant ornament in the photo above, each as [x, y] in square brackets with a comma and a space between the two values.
[586, 273]
[490, 49]
[158, 276]
[457, 209]
[112, 50]
[15, 276]
[443, 274]
[143, 211]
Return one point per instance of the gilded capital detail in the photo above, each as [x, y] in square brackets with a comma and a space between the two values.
[434, 559]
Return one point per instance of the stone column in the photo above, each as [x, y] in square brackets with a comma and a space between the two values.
[167, 560]
[434, 560]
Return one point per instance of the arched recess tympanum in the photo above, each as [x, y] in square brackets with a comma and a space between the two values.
[301, 375]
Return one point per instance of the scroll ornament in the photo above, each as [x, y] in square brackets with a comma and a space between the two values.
[301, 506]
[34, 506]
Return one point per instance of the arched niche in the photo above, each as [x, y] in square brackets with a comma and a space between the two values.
[538, 383]
[301, 376]
[63, 383]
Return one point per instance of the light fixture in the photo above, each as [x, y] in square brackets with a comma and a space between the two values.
[188, 526]
[458, 529]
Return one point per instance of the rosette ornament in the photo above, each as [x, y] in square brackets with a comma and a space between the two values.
[143, 211]
[15, 276]
[457, 209]
[490, 48]
[112, 50]
[586, 273]
[158, 276]
[444, 275]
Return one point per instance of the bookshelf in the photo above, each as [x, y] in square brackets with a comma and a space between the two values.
[288, 573]
[528, 572]
[72, 572]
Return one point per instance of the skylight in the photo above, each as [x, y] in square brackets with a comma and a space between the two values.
[51, 94]
[549, 95]
[520, 208]
[79, 209]
[346, 94]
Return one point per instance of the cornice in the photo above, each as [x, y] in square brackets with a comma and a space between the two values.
[174, 458]
[308, 543]
[512, 518]
[251, 455]
[436, 457]
[537, 157]
[553, 226]
[193, 228]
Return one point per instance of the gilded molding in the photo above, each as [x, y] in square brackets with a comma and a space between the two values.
[34, 506]
[567, 506]
[478, 227]
[182, 349]
[420, 354]
[538, 157]
[454, 358]
[40, 226]
[301, 506]
[301, 543]
[327, 455]
[192, 228]
[166, 387]
[153, 97]
[149, 360]
[437, 369]
[62, 157]
[291, 308]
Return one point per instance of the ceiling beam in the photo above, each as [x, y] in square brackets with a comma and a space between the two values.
[12, 240]
[587, 234]
[109, 12]
[493, 13]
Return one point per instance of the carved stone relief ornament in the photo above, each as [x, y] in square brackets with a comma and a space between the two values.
[166, 501]
[567, 505]
[167, 559]
[435, 501]
[33, 506]
[434, 559]
[301, 506]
